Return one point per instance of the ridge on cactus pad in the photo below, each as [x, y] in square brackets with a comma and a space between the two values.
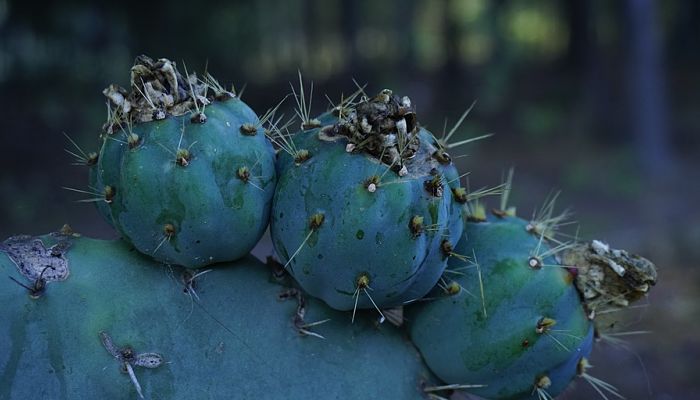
[366, 218]
[110, 323]
[185, 173]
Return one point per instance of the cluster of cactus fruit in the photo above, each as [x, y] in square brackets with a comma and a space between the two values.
[368, 222]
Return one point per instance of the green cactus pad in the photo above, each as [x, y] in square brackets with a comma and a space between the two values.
[508, 316]
[230, 333]
[386, 208]
[185, 189]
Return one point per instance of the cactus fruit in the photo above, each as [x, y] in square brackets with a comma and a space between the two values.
[362, 214]
[185, 172]
[108, 323]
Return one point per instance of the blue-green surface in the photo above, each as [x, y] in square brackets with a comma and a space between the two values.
[238, 343]
[216, 216]
[489, 337]
[363, 233]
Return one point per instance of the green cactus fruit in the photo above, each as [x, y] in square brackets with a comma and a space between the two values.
[506, 319]
[85, 318]
[362, 214]
[186, 172]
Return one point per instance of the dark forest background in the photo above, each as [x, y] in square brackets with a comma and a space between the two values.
[598, 99]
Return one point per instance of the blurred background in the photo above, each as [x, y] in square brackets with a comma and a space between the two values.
[595, 98]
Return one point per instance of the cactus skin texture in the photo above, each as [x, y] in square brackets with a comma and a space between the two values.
[50, 345]
[382, 228]
[527, 323]
[454, 227]
[561, 376]
[187, 190]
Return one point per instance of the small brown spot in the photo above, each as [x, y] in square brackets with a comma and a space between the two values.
[434, 186]
[442, 157]
[243, 174]
[248, 129]
[301, 156]
[133, 140]
[544, 324]
[498, 212]
[446, 248]
[570, 275]
[525, 343]
[169, 230]
[362, 281]
[543, 382]
[416, 225]
[109, 192]
[198, 118]
[460, 195]
[92, 159]
[183, 157]
[582, 366]
[453, 288]
[316, 221]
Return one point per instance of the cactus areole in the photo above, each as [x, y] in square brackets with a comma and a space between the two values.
[185, 169]
[360, 220]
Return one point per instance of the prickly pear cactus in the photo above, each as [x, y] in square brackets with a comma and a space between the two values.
[185, 173]
[363, 215]
[509, 319]
[84, 318]
[368, 212]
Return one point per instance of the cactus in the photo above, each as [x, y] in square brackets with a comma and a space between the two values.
[103, 321]
[185, 172]
[368, 213]
[362, 214]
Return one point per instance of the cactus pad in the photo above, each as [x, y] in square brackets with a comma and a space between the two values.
[186, 172]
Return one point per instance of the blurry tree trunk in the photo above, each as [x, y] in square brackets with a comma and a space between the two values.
[309, 28]
[646, 91]
[452, 73]
[348, 26]
[265, 39]
[649, 122]
[594, 115]
[405, 64]
[578, 14]
[404, 27]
